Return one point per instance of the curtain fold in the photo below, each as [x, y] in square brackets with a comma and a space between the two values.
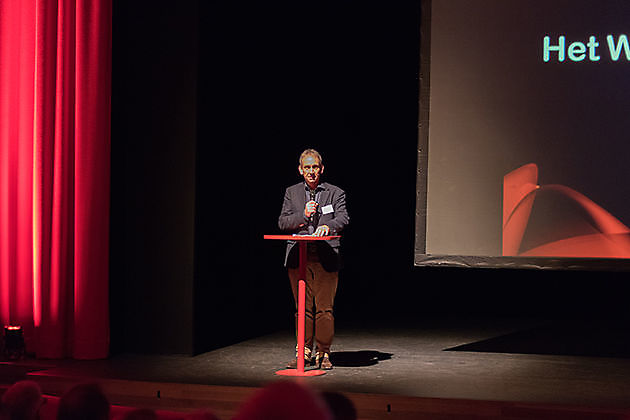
[55, 100]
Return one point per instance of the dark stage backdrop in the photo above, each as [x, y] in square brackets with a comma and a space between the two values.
[279, 77]
[213, 103]
[154, 135]
[525, 144]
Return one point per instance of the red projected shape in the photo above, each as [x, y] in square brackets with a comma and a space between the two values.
[517, 205]
[611, 240]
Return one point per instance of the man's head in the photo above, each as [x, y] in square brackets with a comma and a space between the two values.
[311, 167]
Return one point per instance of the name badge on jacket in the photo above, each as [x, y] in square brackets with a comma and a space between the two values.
[327, 209]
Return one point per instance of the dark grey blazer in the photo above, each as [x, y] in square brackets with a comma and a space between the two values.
[292, 220]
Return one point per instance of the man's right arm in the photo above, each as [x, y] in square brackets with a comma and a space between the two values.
[291, 218]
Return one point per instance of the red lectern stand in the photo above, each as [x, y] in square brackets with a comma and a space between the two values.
[302, 240]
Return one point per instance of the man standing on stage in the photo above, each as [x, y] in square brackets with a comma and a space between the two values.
[317, 208]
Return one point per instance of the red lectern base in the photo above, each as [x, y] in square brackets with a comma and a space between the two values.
[301, 306]
[296, 372]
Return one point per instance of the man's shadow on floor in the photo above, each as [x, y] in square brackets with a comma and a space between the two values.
[359, 358]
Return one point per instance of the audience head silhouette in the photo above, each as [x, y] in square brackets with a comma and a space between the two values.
[284, 400]
[341, 407]
[84, 402]
[22, 401]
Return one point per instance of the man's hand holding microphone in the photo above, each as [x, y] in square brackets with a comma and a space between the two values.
[309, 210]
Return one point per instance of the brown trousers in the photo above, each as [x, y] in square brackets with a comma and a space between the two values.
[321, 287]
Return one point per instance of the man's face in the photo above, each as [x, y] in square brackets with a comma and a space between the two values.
[311, 169]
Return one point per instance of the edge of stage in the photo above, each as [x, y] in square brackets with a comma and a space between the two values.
[439, 368]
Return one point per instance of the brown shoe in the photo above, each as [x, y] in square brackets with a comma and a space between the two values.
[307, 359]
[323, 361]
[293, 363]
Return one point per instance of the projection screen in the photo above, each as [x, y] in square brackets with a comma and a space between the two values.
[523, 156]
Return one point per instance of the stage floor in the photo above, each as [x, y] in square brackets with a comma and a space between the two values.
[576, 365]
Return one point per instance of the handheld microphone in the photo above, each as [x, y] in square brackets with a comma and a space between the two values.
[312, 199]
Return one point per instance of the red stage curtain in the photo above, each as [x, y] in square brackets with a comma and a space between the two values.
[55, 102]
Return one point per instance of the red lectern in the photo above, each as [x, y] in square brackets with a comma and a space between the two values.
[302, 240]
